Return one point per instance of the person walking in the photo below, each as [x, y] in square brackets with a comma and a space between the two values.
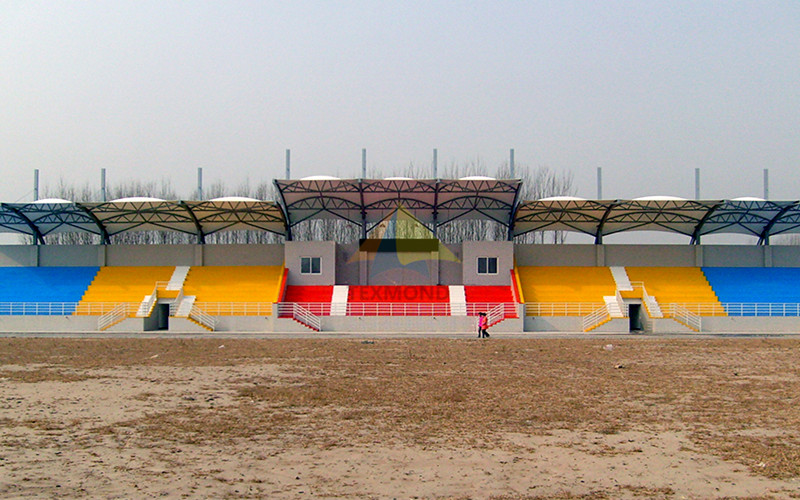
[483, 325]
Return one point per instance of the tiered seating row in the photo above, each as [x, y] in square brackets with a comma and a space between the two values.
[316, 299]
[24, 289]
[678, 285]
[121, 284]
[235, 290]
[398, 301]
[484, 298]
[756, 291]
[567, 290]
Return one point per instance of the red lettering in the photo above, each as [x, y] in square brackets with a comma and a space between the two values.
[392, 293]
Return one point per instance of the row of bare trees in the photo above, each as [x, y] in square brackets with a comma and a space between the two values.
[539, 182]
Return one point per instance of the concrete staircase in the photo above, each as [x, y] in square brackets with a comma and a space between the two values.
[613, 307]
[185, 307]
[621, 279]
[458, 300]
[178, 278]
[339, 300]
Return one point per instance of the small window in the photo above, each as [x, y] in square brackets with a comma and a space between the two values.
[487, 265]
[310, 265]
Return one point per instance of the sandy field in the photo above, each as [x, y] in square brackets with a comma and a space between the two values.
[400, 418]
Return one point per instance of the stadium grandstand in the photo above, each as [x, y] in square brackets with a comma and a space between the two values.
[389, 284]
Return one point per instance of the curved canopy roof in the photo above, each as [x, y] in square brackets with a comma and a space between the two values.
[434, 202]
[366, 202]
[691, 218]
[106, 219]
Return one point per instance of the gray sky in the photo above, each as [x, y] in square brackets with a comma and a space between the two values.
[647, 90]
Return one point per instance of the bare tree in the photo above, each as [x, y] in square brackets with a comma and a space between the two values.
[161, 190]
[538, 183]
[70, 192]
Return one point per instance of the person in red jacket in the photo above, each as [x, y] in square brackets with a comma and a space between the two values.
[483, 325]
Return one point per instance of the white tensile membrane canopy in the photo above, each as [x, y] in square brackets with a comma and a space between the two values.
[434, 202]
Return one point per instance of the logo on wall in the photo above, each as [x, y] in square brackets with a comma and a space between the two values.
[402, 250]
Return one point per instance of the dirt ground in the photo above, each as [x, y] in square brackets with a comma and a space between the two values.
[400, 418]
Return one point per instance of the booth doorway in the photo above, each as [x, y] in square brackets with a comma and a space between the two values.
[635, 317]
[162, 315]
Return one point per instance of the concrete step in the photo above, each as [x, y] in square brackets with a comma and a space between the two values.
[458, 300]
[620, 276]
[339, 300]
[185, 307]
[178, 278]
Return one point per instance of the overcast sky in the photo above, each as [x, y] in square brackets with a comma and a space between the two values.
[647, 90]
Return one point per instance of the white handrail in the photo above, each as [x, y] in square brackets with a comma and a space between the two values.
[203, 318]
[650, 303]
[173, 307]
[496, 315]
[561, 308]
[116, 315]
[236, 308]
[300, 314]
[594, 319]
[305, 316]
[687, 318]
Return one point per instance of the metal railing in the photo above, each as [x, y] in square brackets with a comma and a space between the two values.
[561, 308]
[379, 308]
[687, 317]
[496, 314]
[38, 308]
[761, 309]
[203, 318]
[149, 301]
[121, 311]
[300, 314]
[235, 308]
[508, 309]
[650, 303]
[741, 309]
[173, 307]
[595, 318]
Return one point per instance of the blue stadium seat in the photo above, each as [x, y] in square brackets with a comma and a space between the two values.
[26, 285]
[766, 286]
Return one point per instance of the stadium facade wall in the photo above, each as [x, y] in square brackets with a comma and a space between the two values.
[239, 255]
[502, 250]
[456, 264]
[294, 251]
[20, 255]
[357, 267]
[658, 255]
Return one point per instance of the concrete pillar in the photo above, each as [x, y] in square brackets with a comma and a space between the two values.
[698, 255]
[199, 255]
[600, 255]
[102, 255]
[434, 267]
[363, 268]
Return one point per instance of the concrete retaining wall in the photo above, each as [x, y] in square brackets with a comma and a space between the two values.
[48, 323]
[733, 324]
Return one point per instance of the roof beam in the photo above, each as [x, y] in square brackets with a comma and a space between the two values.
[37, 235]
[104, 236]
[201, 237]
[598, 236]
[699, 227]
[764, 237]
